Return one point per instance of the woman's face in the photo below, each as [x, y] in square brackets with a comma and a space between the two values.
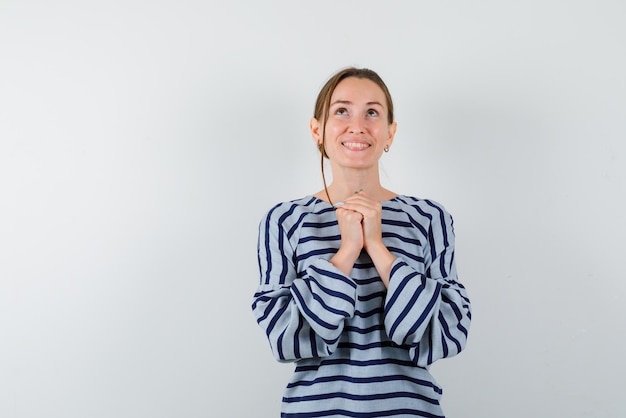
[357, 129]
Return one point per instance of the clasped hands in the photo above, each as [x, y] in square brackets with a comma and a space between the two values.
[360, 224]
[359, 219]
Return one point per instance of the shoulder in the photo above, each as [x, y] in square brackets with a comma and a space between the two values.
[428, 215]
[422, 207]
[431, 218]
[291, 207]
[289, 213]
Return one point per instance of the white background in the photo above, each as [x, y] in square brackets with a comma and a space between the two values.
[141, 142]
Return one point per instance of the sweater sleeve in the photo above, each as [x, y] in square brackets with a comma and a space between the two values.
[301, 312]
[429, 311]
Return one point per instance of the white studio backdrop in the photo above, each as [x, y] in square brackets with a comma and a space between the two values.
[142, 141]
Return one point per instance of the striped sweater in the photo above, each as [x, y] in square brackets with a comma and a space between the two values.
[360, 350]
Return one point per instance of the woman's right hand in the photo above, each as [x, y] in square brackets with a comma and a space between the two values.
[351, 231]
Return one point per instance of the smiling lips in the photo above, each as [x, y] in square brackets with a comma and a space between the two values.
[356, 146]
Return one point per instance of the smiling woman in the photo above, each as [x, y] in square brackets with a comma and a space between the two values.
[362, 294]
[356, 127]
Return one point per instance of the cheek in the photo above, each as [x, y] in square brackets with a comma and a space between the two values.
[378, 129]
[334, 127]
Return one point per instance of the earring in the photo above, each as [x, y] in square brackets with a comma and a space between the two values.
[386, 149]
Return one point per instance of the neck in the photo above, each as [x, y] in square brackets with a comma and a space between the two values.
[346, 183]
[339, 191]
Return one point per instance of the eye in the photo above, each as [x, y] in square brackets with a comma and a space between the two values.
[372, 113]
[341, 111]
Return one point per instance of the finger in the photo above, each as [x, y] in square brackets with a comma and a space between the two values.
[346, 213]
[361, 205]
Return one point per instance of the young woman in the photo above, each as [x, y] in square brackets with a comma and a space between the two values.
[358, 284]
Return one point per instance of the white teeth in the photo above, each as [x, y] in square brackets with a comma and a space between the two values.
[355, 145]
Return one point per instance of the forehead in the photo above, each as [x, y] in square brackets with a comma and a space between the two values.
[354, 90]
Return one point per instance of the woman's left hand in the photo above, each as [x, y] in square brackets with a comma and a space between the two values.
[372, 210]
[372, 217]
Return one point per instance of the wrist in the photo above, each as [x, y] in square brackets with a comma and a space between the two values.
[344, 259]
[383, 259]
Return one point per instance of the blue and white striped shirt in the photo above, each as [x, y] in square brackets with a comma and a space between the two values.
[360, 350]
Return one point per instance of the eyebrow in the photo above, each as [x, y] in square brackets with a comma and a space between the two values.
[347, 102]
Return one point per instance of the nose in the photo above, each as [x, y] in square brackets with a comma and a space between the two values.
[355, 126]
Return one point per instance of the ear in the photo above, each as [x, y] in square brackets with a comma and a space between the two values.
[391, 133]
[316, 127]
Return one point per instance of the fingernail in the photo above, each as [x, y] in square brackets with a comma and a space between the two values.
[338, 204]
